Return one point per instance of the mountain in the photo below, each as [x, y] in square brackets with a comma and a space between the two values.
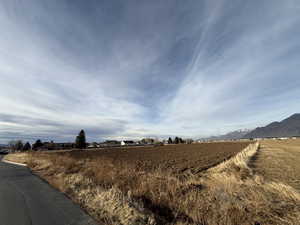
[286, 128]
[238, 134]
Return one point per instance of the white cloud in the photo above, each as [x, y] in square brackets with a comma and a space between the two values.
[67, 70]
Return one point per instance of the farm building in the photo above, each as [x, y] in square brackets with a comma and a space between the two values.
[128, 143]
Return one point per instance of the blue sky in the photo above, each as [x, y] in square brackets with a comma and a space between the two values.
[132, 69]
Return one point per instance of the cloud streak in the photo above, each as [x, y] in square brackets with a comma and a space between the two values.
[146, 68]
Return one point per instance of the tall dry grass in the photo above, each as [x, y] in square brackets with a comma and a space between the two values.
[118, 193]
[20, 157]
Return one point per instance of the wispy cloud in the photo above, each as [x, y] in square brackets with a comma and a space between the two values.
[146, 68]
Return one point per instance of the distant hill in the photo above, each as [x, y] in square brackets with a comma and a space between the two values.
[286, 128]
[238, 134]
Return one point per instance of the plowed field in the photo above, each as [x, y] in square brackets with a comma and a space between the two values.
[177, 158]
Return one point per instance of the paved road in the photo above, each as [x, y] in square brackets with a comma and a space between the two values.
[27, 200]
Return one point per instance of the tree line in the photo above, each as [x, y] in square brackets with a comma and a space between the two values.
[177, 140]
[18, 145]
[80, 142]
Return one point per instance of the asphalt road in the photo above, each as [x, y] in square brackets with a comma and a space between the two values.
[27, 200]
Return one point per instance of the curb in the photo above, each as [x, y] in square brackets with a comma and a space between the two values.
[14, 163]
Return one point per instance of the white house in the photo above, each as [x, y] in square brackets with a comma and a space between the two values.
[127, 143]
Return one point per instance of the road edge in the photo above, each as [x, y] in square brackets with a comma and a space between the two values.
[14, 163]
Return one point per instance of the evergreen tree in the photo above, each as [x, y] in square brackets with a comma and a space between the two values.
[176, 141]
[38, 144]
[80, 140]
[170, 140]
[19, 145]
[27, 147]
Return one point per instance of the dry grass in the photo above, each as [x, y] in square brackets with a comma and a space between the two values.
[279, 161]
[117, 192]
[245, 198]
[17, 157]
[240, 161]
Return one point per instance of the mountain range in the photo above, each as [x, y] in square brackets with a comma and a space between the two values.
[238, 134]
[288, 127]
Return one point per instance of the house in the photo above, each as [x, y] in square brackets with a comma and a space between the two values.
[283, 138]
[93, 145]
[165, 142]
[127, 143]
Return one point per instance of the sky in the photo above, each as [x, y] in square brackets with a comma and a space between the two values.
[139, 68]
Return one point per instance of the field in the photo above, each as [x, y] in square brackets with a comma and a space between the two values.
[172, 158]
[279, 161]
[175, 184]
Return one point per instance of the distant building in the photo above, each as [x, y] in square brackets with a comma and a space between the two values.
[147, 141]
[283, 138]
[165, 142]
[93, 145]
[128, 143]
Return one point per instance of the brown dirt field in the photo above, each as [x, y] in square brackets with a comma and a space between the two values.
[279, 161]
[174, 158]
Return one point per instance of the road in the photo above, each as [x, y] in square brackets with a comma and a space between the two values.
[25, 199]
